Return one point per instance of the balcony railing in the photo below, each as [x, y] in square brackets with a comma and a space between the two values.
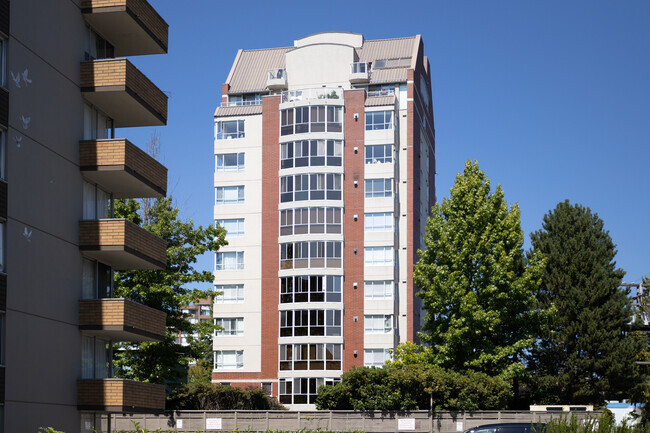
[314, 93]
[241, 103]
[276, 79]
[120, 395]
[121, 320]
[359, 72]
[382, 92]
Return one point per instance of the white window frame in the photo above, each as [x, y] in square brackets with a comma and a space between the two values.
[236, 227]
[239, 131]
[231, 326]
[220, 264]
[371, 158]
[379, 188]
[383, 289]
[379, 120]
[375, 357]
[220, 195]
[378, 256]
[379, 222]
[378, 324]
[230, 293]
[237, 361]
[221, 166]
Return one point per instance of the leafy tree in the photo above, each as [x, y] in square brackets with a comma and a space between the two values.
[201, 396]
[167, 290]
[477, 287]
[586, 353]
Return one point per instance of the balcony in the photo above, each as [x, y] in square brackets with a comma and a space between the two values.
[119, 395]
[359, 73]
[335, 93]
[133, 27]
[121, 244]
[124, 93]
[276, 79]
[122, 168]
[121, 320]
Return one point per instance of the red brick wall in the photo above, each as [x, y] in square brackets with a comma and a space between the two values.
[353, 230]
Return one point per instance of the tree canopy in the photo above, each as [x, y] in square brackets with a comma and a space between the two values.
[476, 284]
[167, 290]
[586, 353]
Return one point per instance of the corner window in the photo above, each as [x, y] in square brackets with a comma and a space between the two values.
[230, 162]
[230, 326]
[229, 129]
[234, 227]
[376, 188]
[229, 194]
[228, 359]
[230, 261]
[376, 120]
[313, 118]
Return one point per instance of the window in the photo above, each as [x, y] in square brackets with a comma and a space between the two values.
[228, 359]
[95, 359]
[314, 254]
[378, 222]
[246, 99]
[379, 188]
[96, 280]
[375, 357]
[234, 227]
[231, 326]
[2, 246]
[229, 194]
[98, 47]
[313, 288]
[230, 293]
[230, 261]
[230, 162]
[379, 153]
[378, 256]
[378, 324]
[229, 129]
[313, 323]
[97, 125]
[2, 339]
[314, 153]
[3, 153]
[302, 390]
[310, 357]
[3, 62]
[379, 120]
[300, 120]
[204, 310]
[267, 387]
[97, 203]
[378, 289]
[317, 186]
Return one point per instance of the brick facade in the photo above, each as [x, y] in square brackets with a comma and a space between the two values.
[134, 320]
[119, 395]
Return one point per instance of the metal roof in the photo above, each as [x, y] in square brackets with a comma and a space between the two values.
[375, 101]
[386, 49]
[239, 110]
[249, 74]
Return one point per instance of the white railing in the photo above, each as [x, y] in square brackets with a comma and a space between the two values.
[277, 74]
[359, 68]
[314, 93]
[382, 92]
[240, 103]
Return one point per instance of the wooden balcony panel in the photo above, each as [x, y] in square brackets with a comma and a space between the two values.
[119, 396]
[121, 320]
[124, 93]
[122, 168]
[133, 27]
[121, 244]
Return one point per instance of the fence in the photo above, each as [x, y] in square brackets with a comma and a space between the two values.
[339, 421]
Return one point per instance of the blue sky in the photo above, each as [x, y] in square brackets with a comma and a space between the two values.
[551, 97]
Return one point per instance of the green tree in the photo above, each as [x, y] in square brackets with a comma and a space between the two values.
[477, 287]
[586, 353]
[167, 290]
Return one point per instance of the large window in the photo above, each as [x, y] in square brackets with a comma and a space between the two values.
[228, 359]
[97, 125]
[246, 99]
[311, 153]
[375, 357]
[313, 254]
[379, 153]
[3, 62]
[379, 120]
[229, 194]
[3, 154]
[228, 129]
[378, 222]
[379, 188]
[317, 186]
[230, 293]
[95, 358]
[312, 288]
[379, 289]
[312, 323]
[97, 203]
[96, 280]
[378, 324]
[230, 162]
[313, 118]
[98, 47]
[302, 390]
[378, 256]
[230, 326]
[234, 227]
[230, 261]
[2, 247]
[310, 357]
[313, 220]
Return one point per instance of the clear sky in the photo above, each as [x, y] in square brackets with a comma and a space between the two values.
[551, 97]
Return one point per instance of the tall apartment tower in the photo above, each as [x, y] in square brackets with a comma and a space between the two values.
[325, 163]
[65, 89]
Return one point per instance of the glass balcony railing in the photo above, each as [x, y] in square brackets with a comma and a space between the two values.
[382, 92]
[314, 93]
